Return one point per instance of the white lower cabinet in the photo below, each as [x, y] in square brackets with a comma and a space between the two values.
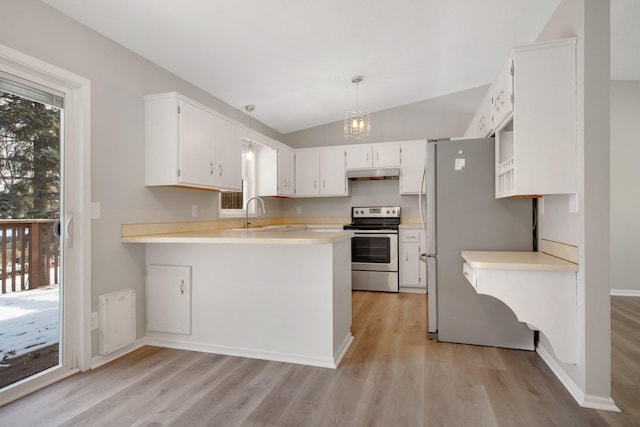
[413, 273]
[169, 298]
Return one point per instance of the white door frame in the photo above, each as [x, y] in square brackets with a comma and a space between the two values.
[76, 188]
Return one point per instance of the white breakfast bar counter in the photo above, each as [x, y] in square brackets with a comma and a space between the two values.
[264, 293]
[540, 288]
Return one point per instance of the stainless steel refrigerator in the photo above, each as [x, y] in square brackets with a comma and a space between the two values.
[461, 213]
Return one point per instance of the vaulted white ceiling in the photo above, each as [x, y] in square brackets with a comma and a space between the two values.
[294, 59]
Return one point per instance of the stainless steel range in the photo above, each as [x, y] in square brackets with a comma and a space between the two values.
[374, 248]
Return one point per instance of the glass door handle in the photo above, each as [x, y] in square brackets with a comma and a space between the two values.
[68, 230]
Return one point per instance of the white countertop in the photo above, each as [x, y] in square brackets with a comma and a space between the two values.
[410, 226]
[509, 260]
[294, 235]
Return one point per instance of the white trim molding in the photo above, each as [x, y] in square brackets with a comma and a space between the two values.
[584, 400]
[76, 186]
[625, 292]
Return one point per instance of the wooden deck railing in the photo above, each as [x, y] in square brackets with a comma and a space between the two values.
[30, 254]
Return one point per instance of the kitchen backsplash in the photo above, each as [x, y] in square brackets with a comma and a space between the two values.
[362, 193]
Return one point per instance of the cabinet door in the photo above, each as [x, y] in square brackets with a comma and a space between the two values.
[286, 165]
[410, 265]
[307, 173]
[169, 299]
[196, 145]
[412, 165]
[502, 95]
[332, 172]
[359, 157]
[541, 134]
[385, 155]
[228, 155]
[481, 125]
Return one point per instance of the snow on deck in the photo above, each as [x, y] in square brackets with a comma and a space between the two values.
[29, 320]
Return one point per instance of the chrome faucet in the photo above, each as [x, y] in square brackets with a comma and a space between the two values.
[246, 210]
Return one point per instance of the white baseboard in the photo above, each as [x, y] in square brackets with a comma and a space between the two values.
[342, 350]
[99, 360]
[584, 400]
[328, 362]
[598, 402]
[625, 292]
[408, 290]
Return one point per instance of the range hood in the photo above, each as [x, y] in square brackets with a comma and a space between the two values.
[373, 174]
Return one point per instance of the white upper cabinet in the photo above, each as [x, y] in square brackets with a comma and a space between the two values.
[286, 170]
[188, 145]
[320, 172]
[274, 167]
[359, 156]
[333, 181]
[502, 94]
[196, 149]
[307, 172]
[228, 155]
[386, 154]
[481, 125]
[536, 145]
[412, 163]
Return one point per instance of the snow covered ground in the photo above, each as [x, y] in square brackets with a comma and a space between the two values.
[29, 320]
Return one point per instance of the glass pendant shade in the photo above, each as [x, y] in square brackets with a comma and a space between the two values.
[357, 123]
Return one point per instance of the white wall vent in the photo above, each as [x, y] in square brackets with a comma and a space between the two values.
[116, 320]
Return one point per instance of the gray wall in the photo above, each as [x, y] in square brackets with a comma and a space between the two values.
[589, 227]
[446, 116]
[119, 80]
[625, 188]
[362, 193]
[434, 118]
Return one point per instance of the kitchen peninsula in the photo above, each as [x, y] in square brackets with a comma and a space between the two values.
[262, 293]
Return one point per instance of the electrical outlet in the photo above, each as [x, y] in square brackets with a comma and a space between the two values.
[573, 203]
[94, 320]
[298, 210]
[194, 210]
[95, 210]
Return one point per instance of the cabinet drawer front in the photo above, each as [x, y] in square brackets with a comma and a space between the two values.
[470, 275]
[410, 236]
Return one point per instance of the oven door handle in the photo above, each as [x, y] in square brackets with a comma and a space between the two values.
[374, 231]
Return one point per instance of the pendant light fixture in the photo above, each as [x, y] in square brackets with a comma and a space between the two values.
[250, 109]
[249, 153]
[357, 124]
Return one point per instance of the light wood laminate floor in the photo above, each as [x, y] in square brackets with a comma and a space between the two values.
[391, 376]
